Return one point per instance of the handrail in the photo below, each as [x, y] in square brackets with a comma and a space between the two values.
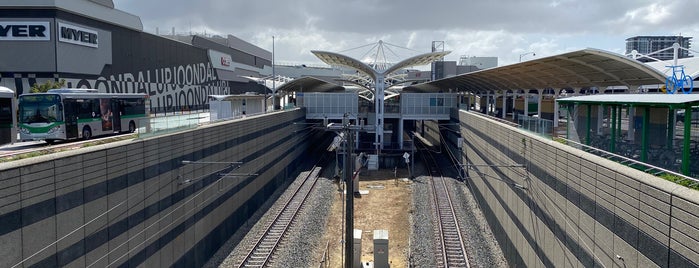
[647, 168]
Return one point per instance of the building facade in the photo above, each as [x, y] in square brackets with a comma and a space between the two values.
[479, 62]
[648, 44]
[90, 44]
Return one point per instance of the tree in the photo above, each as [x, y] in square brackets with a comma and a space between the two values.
[50, 84]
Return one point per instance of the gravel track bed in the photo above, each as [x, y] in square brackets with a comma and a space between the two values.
[307, 231]
[303, 241]
[304, 233]
[422, 248]
[484, 250]
[479, 240]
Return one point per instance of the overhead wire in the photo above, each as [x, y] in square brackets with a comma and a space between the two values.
[215, 183]
[547, 200]
[93, 220]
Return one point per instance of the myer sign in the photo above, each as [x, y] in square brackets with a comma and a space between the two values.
[25, 31]
[77, 35]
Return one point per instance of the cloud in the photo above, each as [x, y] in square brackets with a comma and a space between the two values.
[502, 28]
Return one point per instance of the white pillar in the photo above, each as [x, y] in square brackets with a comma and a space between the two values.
[504, 104]
[487, 103]
[379, 100]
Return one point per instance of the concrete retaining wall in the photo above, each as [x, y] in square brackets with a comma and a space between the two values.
[124, 203]
[568, 208]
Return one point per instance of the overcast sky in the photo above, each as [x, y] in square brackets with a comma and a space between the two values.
[502, 28]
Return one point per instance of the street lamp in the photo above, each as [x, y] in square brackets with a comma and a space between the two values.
[522, 55]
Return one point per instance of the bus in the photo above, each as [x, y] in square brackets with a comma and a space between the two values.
[68, 114]
[7, 110]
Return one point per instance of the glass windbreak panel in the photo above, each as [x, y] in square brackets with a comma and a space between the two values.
[40, 109]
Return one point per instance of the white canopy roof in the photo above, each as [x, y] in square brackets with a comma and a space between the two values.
[691, 66]
[6, 92]
[582, 68]
[332, 58]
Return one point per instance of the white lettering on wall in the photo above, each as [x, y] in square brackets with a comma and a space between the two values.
[170, 87]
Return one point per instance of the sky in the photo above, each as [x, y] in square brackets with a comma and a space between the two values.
[487, 28]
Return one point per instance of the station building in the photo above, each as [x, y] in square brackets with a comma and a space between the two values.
[90, 44]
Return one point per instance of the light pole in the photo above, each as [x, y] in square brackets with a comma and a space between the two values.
[522, 55]
[350, 171]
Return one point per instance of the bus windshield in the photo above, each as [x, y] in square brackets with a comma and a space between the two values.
[40, 109]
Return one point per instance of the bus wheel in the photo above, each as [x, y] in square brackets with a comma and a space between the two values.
[132, 127]
[87, 133]
[51, 142]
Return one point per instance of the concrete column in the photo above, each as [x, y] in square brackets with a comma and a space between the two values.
[540, 100]
[600, 119]
[468, 101]
[400, 131]
[556, 110]
[488, 107]
[504, 104]
[514, 98]
[632, 124]
[526, 103]
[379, 106]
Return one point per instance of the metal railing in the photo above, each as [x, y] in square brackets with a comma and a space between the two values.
[645, 167]
[540, 126]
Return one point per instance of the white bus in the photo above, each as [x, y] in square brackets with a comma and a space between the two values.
[66, 114]
[7, 110]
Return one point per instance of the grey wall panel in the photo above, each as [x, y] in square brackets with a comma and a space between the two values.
[70, 212]
[605, 209]
[131, 207]
[71, 58]
[29, 56]
[10, 205]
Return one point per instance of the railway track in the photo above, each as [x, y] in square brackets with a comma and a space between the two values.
[262, 253]
[450, 243]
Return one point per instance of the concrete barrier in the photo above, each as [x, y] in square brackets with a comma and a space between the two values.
[566, 207]
[124, 203]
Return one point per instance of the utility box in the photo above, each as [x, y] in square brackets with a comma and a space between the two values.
[373, 162]
[381, 249]
[357, 251]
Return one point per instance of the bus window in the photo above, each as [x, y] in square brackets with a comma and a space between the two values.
[134, 107]
[40, 109]
[84, 109]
